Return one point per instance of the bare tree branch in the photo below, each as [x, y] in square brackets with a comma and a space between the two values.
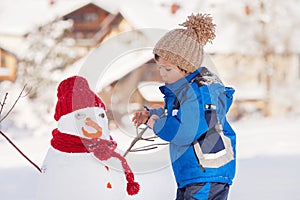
[39, 169]
[12, 107]
[3, 103]
[9, 111]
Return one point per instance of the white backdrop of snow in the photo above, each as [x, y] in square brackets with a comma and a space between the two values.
[267, 150]
[266, 147]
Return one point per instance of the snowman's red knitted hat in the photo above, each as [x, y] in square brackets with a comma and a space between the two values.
[73, 94]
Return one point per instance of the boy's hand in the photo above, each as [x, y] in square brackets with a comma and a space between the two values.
[140, 117]
[151, 120]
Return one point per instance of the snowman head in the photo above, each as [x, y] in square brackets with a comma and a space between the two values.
[79, 110]
[88, 122]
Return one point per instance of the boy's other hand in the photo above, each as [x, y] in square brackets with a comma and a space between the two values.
[140, 117]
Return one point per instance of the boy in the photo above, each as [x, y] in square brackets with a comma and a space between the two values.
[193, 120]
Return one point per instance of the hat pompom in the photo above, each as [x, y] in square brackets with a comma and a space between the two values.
[132, 187]
[200, 27]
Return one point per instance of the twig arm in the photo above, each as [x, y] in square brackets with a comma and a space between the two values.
[137, 138]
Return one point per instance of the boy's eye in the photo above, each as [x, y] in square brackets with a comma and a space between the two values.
[164, 68]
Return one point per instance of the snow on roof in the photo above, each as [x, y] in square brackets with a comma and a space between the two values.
[236, 32]
[118, 56]
[18, 17]
[12, 44]
[159, 16]
[101, 72]
[151, 14]
[150, 91]
[123, 65]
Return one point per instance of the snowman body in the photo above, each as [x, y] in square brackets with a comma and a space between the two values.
[84, 163]
[77, 176]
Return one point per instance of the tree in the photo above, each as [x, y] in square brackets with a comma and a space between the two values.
[2, 118]
[48, 50]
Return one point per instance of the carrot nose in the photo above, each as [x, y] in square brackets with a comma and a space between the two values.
[91, 123]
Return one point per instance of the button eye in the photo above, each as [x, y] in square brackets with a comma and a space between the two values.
[102, 115]
[80, 115]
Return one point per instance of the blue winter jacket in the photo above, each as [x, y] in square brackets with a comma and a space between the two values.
[202, 143]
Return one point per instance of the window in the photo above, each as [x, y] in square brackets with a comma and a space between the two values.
[90, 17]
[299, 66]
[3, 63]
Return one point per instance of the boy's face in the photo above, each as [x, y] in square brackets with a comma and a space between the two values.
[169, 72]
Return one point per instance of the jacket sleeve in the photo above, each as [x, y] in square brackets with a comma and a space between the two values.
[187, 125]
[158, 111]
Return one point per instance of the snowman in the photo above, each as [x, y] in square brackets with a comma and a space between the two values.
[83, 161]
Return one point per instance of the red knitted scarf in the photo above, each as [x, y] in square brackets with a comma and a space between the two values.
[101, 148]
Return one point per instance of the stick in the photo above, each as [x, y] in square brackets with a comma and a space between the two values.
[39, 169]
[3, 103]
[148, 147]
[137, 138]
[20, 95]
[12, 107]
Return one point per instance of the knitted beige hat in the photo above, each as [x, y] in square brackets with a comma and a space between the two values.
[184, 47]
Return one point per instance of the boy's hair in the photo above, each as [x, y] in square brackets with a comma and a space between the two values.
[184, 47]
[156, 57]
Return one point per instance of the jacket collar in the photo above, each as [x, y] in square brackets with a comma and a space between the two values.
[173, 88]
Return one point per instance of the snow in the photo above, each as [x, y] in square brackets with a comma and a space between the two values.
[281, 18]
[267, 167]
[123, 65]
[232, 24]
[150, 91]
[118, 56]
[20, 17]
[267, 148]
[5, 72]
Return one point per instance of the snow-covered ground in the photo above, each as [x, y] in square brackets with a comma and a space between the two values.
[267, 167]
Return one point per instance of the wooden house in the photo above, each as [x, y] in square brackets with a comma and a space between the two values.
[8, 65]
[91, 24]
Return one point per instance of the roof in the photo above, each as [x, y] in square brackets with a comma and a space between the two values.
[236, 31]
[12, 45]
[115, 58]
[18, 17]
